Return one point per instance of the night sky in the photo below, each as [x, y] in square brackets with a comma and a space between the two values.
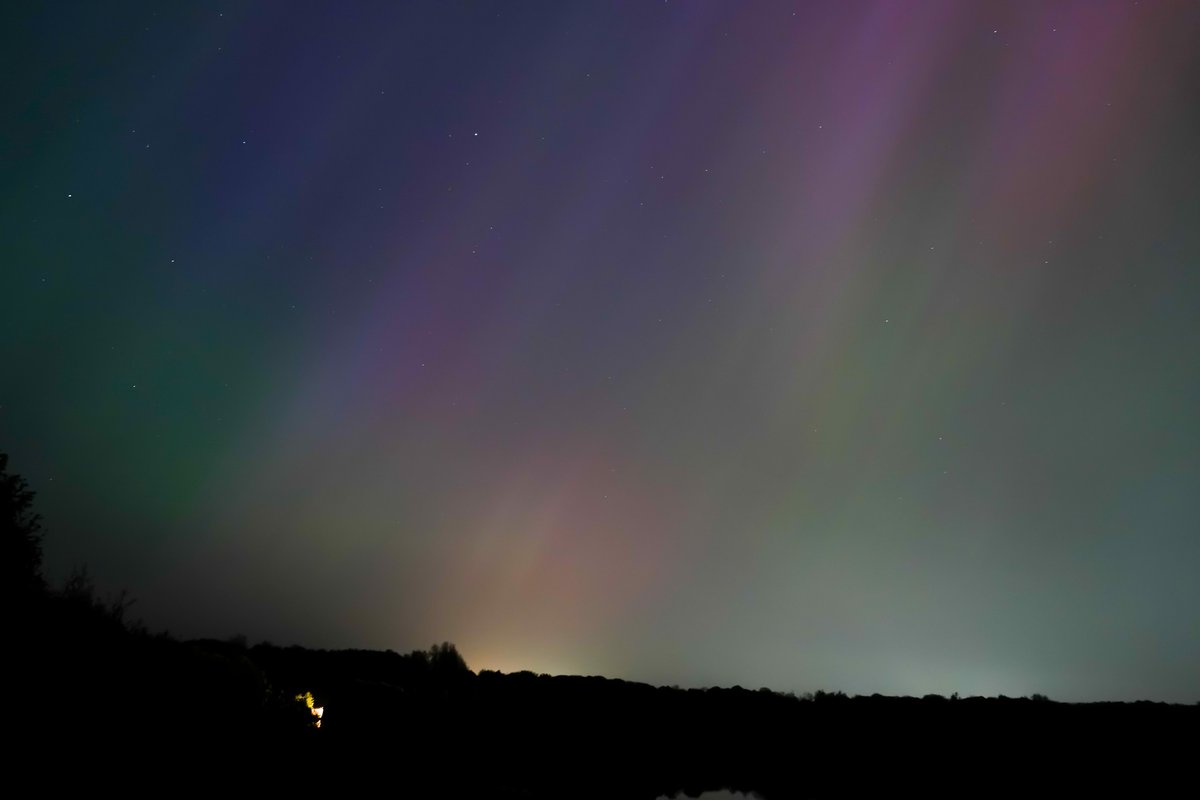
[814, 345]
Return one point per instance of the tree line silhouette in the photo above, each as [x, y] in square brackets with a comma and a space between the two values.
[87, 682]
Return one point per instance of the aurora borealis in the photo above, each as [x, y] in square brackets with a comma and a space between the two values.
[843, 345]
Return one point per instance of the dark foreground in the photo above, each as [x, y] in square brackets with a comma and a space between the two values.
[94, 700]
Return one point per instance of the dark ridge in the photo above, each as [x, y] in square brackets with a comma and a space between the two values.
[93, 697]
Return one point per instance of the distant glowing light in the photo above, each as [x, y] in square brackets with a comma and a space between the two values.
[315, 710]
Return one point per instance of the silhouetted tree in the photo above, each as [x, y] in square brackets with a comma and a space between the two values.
[445, 660]
[80, 592]
[20, 536]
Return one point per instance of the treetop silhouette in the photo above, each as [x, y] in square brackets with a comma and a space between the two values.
[20, 535]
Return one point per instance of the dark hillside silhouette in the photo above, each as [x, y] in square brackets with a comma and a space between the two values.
[87, 685]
